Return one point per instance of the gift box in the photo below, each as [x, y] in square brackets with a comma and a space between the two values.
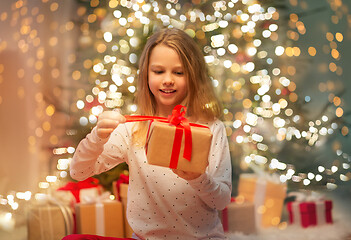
[104, 218]
[239, 216]
[166, 146]
[176, 143]
[89, 187]
[120, 190]
[311, 213]
[268, 196]
[49, 220]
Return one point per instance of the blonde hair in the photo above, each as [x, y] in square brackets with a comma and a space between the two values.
[201, 101]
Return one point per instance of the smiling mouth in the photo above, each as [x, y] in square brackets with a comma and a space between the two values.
[167, 90]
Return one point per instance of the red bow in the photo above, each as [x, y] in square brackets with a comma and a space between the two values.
[75, 187]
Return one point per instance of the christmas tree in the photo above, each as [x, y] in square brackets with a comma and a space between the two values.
[254, 60]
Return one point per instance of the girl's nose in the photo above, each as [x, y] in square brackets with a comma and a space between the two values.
[167, 80]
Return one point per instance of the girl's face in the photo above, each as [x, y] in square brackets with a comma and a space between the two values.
[167, 80]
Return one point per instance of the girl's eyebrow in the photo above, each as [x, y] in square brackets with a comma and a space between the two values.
[155, 65]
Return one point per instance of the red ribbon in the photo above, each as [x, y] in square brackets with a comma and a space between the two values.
[225, 216]
[181, 123]
[122, 179]
[75, 187]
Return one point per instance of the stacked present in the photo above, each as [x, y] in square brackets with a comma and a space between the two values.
[100, 216]
[70, 210]
[310, 211]
[239, 216]
[267, 194]
[49, 219]
[120, 190]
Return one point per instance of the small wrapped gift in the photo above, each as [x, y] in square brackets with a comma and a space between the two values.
[175, 143]
[267, 193]
[239, 216]
[48, 219]
[120, 190]
[103, 218]
[178, 144]
[89, 187]
[310, 211]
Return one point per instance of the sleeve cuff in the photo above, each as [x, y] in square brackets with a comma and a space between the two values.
[95, 138]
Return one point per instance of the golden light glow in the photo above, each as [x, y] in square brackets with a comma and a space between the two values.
[53, 139]
[337, 101]
[113, 3]
[294, 17]
[344, 130]
[332, 67]
[335, 54]
[339, 37]
[46, 126]
[312, 51]
[329, 36]
[339, 112]
[247, 103]
[293, 97]
[54, 6]
[76, 75]
[50, 110]
[292, 87]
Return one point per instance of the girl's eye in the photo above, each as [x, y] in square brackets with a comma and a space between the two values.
[179, 73]
[158, 72]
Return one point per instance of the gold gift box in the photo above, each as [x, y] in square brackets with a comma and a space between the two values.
[87, 219]
[240, 217]
[160, 145]
[123, 188]
[46, 222]
[268, 197]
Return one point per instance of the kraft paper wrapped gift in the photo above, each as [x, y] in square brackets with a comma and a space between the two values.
[49, 221]
[162, 147]
[102, 218]
[239, 216]
[310, 213]
[267, 194]
[121, 192]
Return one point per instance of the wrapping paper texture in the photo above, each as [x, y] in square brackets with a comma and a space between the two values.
[160, 144]
[46, 222]
[109, 214]
[310, 213]
[268, 197]
[122, 194]
[239, 217]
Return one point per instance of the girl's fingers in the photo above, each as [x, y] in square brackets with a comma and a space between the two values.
[186, 175]
[107, 123]
[104, 132]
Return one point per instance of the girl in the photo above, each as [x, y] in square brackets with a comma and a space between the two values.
[164, 203]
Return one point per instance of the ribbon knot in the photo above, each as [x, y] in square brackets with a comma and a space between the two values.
[177, 115]
[75, 187]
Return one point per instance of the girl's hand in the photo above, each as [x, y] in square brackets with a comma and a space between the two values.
[186, 175]
[107, 122]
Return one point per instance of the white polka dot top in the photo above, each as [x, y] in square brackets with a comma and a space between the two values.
[162, 205]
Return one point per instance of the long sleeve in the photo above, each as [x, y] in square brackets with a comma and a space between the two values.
[95, 155]
[214, 186]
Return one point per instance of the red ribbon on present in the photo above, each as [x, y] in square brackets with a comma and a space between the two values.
[181, 123]
[225, 222]
[75, 187]
[122, 179]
